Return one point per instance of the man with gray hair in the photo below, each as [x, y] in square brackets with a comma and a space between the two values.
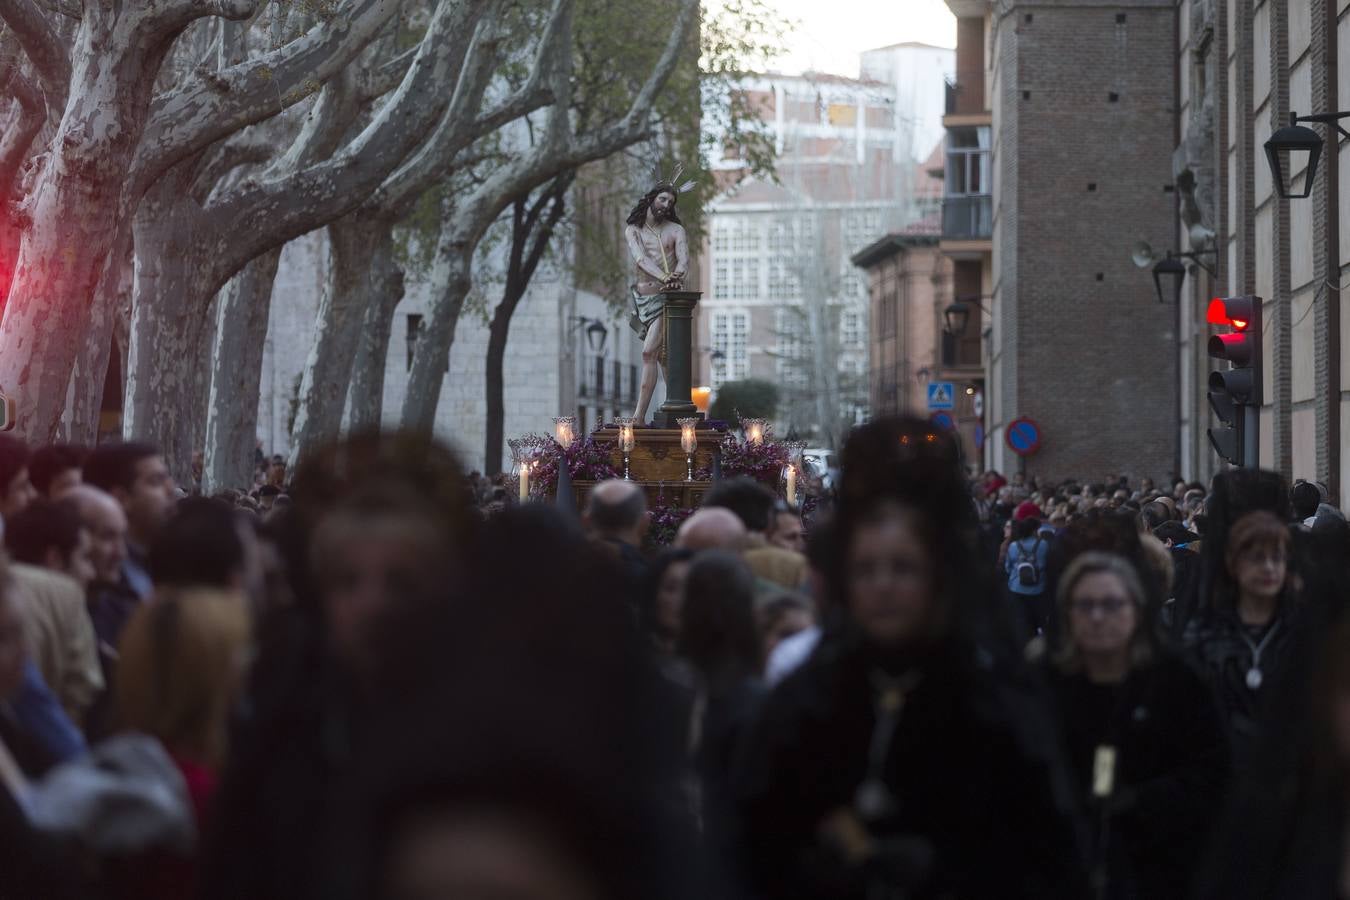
[713, 528]
[616, 516]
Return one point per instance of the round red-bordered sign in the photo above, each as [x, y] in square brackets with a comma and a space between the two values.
[1023, 436]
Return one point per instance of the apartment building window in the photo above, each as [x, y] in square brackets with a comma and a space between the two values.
[730, 335]
[851, 329]
[967, 161]
[790, 346]
[967, 208]
[737, 259]
[784, 283]
[887, 307]
[851, 285]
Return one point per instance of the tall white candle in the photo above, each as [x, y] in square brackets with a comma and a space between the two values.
[792, 485]
[524, 481]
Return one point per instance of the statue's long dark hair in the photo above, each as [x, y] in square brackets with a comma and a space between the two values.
[639, 214]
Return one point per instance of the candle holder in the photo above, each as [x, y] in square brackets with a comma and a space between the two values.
[520, 467]
[565, 430]
[627, 440]
[755, 431]
[689, 442]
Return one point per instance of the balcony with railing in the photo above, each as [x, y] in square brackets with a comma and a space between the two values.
[603, 382]
[965, 93]
[968, 218]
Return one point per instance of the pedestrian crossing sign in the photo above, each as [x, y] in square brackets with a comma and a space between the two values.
[941, 395]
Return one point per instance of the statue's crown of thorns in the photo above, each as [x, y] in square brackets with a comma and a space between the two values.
[673, 178]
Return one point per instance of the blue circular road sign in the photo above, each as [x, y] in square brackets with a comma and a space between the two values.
[942, 420]
[1023, 436]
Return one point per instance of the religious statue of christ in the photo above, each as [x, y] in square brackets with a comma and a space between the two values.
[660, 250]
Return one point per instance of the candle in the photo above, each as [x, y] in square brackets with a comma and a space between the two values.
[701, 398]
[524, 482]
[792, 485]
[754, 430]
[564, 430]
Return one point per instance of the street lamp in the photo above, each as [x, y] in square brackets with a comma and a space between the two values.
[596, 332]
[956, 317]
[1168, 267]
[1293, 141]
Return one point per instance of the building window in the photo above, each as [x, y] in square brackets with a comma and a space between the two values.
[851, 286]
[731, 333]
[967, 162]
[790, 347]
[851, 329]
[784, 284]
[722, 278]
[736, 259]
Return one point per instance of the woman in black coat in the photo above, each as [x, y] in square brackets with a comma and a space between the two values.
[911, 756]
[1146, 745]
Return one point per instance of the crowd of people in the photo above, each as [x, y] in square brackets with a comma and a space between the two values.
[387, 680]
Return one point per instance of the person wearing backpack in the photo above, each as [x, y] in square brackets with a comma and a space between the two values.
[1026, 566]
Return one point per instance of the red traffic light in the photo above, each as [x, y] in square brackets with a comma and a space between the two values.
[1234, 311]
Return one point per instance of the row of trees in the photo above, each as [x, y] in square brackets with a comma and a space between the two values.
[157, 156]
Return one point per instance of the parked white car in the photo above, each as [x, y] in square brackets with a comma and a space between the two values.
[824, 464]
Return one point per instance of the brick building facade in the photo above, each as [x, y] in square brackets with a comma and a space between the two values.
[1243, 68]
[1060, 132]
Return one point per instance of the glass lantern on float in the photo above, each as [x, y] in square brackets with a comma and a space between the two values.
[689, 442]
[755, 430]
[627, 441]
[565, 430]
[520, 465]
[793, 471]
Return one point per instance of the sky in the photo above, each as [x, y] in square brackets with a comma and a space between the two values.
[831, 33]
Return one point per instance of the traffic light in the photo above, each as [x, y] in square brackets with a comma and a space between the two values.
[1235, 393]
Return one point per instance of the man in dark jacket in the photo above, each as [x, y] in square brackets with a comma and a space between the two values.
[616, 516]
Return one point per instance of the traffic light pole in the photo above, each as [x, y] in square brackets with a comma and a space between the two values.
[1250, 435]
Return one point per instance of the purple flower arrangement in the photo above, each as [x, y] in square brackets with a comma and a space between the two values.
[764, 462]
[666, 520]
[586, 459]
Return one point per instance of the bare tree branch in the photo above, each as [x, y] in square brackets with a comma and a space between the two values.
[166, 18]
[387, 76]
[18, 136]
[49, 56]
[69, 8]
[451, 137]
[241, 150]
[211, 106]
[258, 215]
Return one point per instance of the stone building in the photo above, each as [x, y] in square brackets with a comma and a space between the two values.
[1243, 68]
[553, 367]
[782, 300]
[1060, 128]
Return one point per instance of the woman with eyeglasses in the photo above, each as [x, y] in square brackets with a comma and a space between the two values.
[1241, 638]
[1144, 739]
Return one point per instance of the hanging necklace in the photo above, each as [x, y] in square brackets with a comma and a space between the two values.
[873, 799]
[1254, 676]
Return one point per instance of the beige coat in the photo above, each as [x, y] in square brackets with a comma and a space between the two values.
[60, 636]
